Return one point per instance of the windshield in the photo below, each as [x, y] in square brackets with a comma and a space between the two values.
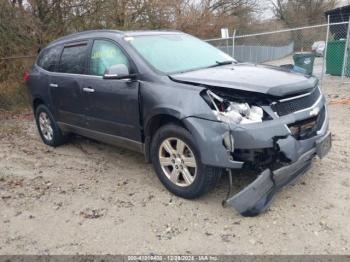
[178, 52]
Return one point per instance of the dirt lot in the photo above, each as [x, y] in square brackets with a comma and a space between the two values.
[87, 197]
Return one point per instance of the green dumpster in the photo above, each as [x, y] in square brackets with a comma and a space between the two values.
[305, 60]
[335, 58]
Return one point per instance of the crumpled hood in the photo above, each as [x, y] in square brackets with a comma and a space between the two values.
[253, 78]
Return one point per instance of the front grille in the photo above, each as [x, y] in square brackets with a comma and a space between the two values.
[308, 128]
[293, 105]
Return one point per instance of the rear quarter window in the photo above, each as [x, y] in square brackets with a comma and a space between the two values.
[49, 58]
[73, 59]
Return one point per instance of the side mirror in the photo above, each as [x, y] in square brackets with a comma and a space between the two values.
[119, 71]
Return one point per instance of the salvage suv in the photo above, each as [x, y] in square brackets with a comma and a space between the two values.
[192, 110]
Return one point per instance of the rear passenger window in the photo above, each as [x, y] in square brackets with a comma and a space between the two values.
[105, 54]
[73, 59]
[48, 59]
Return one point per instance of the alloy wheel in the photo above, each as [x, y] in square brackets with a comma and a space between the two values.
[178, 162]
[45, 126]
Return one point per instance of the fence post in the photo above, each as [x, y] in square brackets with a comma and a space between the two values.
[325, 51]
[233, 43]
[345, 52]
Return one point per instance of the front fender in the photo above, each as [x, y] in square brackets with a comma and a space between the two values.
[163, 110]
[209, 137]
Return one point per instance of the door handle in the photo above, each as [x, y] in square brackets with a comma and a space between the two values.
[88, 90]
[53, 85]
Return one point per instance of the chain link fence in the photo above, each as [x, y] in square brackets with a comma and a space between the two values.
[337, 62]
[326, 42]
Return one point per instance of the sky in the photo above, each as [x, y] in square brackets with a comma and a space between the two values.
[267, 9]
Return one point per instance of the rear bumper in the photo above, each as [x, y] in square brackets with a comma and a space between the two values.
[256, 198]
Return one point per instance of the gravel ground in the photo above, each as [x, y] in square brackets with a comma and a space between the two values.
[90, 198]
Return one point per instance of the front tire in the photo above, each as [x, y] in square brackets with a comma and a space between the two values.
[176, 160]
[48, 128]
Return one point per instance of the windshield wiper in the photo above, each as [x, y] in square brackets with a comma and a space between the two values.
[218, 63]
[221, 63]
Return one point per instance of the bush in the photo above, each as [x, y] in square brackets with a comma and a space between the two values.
[13, 95]
[13, 92]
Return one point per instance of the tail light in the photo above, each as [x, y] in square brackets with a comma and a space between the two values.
[26, 76]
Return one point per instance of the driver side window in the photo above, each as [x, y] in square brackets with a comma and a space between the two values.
[105, 54]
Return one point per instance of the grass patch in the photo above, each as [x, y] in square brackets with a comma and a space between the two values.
[13, 96]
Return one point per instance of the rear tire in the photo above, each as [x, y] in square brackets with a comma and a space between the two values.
[48, 128]
[177, 162]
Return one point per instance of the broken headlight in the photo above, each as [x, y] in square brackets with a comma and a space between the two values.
[235, 112]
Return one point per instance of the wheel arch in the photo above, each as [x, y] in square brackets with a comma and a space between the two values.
[156, 122]
[36, 102]
[40, 100]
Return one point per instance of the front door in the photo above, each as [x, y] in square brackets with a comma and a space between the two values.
[113, 105]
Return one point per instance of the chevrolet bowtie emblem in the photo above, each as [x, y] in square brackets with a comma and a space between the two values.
[315, 111]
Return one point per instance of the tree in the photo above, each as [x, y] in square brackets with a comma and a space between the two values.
[49, 19]
[19, 2]
[301, 12]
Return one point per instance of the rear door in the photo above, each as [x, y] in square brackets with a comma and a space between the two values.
[41, 74]
[66, 84]
[113, 105]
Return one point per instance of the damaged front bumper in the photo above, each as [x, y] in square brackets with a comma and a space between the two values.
[256, 198]
[274, 135]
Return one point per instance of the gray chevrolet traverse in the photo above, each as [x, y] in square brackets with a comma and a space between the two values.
[192, 110]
